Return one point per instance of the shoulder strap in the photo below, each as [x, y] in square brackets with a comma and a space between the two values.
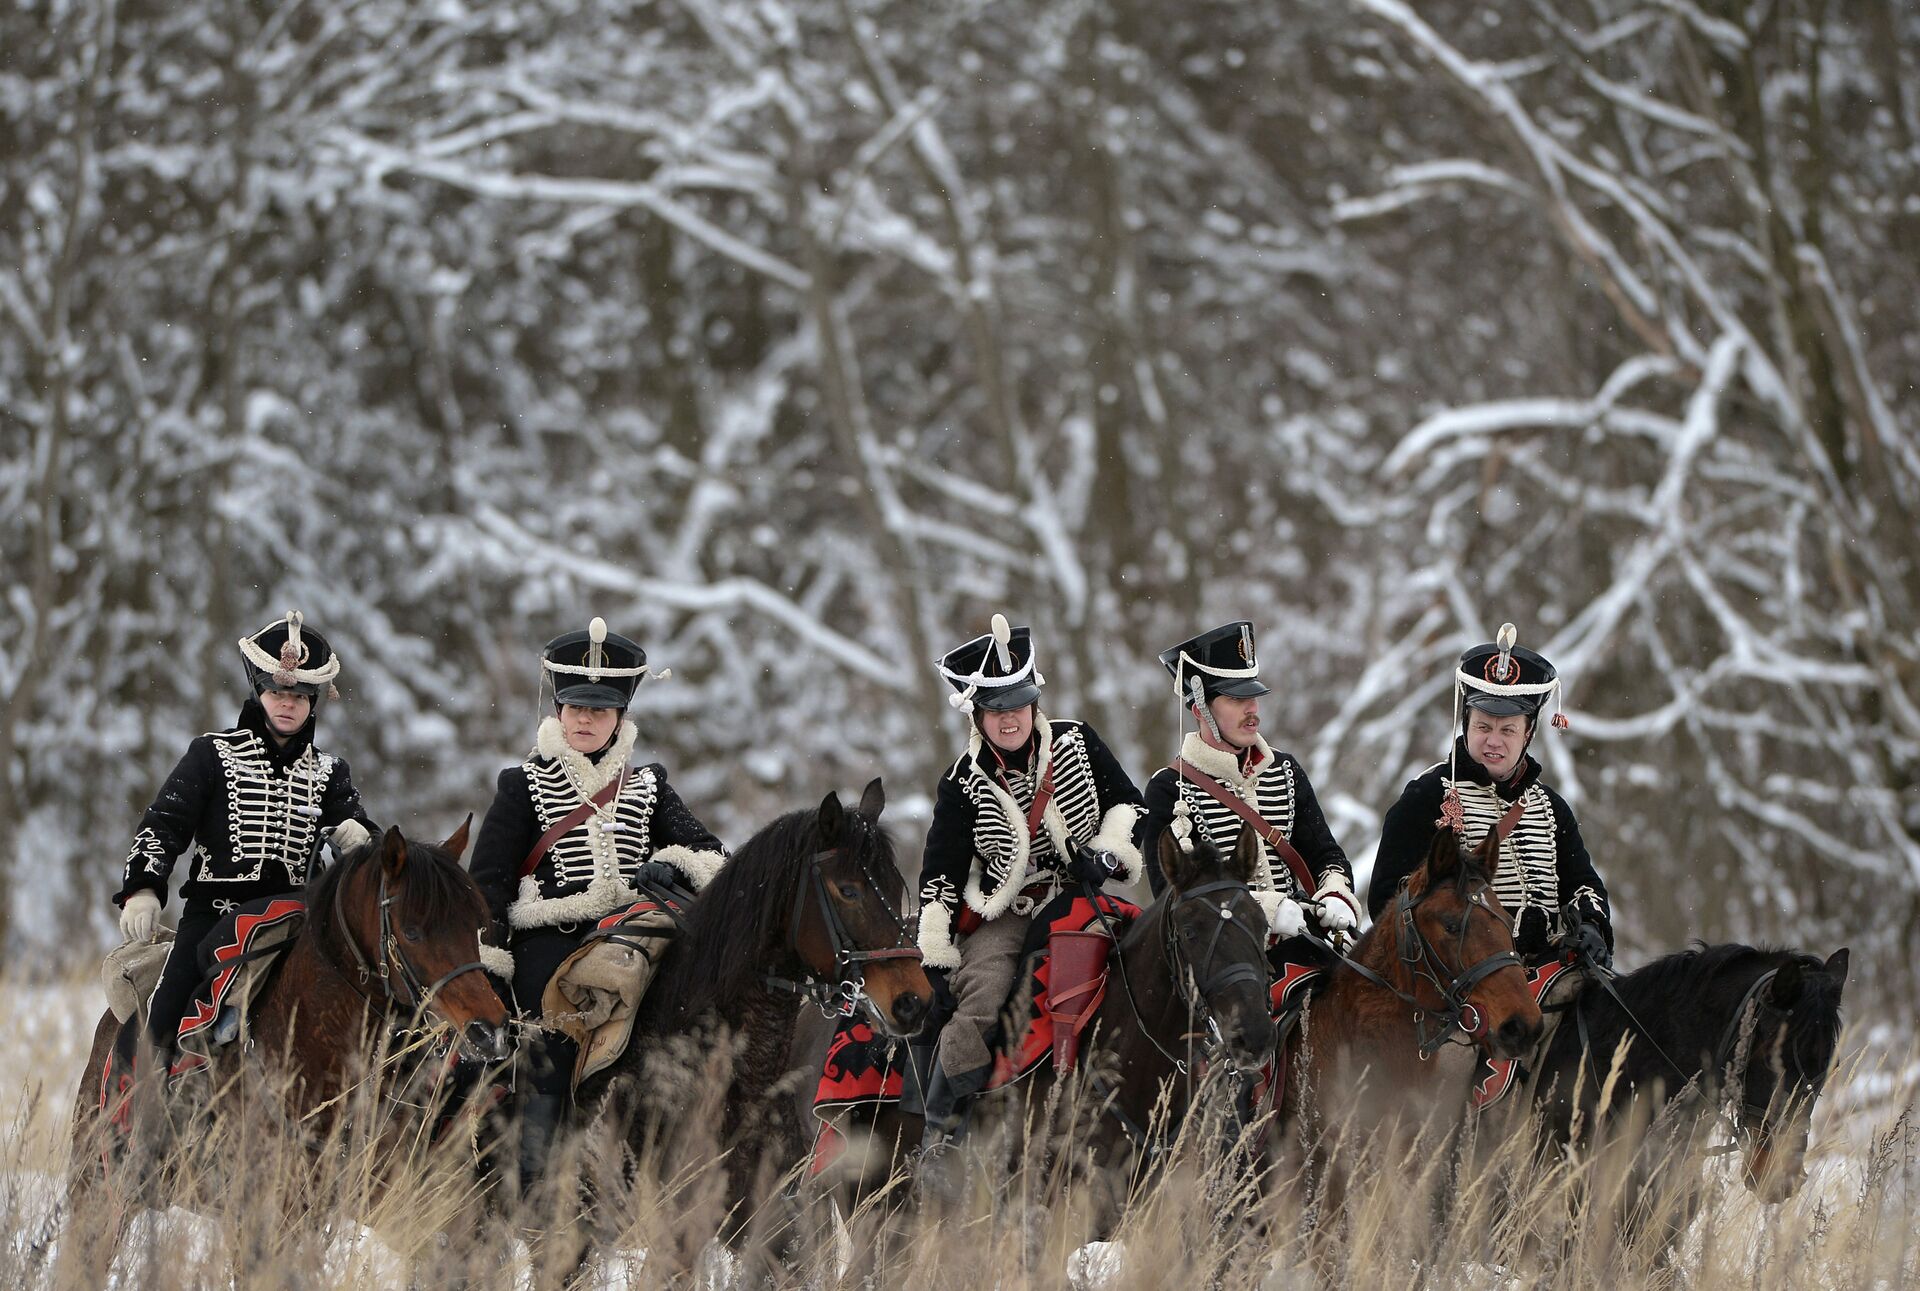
[1241, 808]
[567, 822]
[1041, 797]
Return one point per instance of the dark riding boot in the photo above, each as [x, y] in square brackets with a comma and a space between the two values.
[539, 1121]
[949, 1103]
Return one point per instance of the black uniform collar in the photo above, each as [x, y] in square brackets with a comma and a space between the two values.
[254, 718]
[1467, 769]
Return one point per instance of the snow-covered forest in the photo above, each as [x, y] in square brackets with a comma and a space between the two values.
[797, 336]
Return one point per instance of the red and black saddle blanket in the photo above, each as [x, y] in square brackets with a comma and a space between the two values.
[864, 1066]
[1496, 1076]
[236, 959]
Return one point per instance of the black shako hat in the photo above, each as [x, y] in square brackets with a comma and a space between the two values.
[995, 671]
[288, 655]
[1223, 660]
[594, 668]
[1504, 679]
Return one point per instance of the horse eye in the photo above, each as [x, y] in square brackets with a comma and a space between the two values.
[1451, 923]
[411, 932]
[849, 892]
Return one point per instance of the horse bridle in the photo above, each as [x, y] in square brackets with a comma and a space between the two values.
[846, 993]
[1424, 964]
[419, 995]
[1196, 987]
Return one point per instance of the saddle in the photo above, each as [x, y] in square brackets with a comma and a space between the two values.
[130, 972]
[1052, 1004]
[593, 996]
[1554, 985]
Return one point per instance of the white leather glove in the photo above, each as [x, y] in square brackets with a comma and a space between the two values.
[1339, 908]
[1287, 919]
[138, 915]
[347, 835]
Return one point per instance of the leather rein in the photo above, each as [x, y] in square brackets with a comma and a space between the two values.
[1195, 986]
[845, 993]
[418, 994]
[1423, 963]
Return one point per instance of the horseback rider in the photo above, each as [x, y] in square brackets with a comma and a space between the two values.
[1033, 808]
[258, 797]
[1546, 880]
[1227, 777]
[576, 832]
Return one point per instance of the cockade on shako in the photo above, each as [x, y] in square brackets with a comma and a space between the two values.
[578, 834]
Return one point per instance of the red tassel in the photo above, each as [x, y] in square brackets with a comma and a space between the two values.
[1560, 722]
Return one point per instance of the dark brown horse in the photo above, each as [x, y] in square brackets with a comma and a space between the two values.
[390, 942]
[809, 907]
[1382, 1072]
[1187, 990]
[1748, 1032]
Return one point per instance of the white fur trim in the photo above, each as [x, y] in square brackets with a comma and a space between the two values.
[937, 949]
[1055, 824]
[602, 896]
[699, 867]
[1222, 765]
[588, 777]
[497, 960]
[1116, 836]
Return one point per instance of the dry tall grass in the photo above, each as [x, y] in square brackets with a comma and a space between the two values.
[367, 1210]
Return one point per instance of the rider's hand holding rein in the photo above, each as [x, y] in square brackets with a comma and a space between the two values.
[1339, 908]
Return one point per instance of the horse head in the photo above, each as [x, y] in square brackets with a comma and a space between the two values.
[847, 917]
[1216, 938]
[407, 919]
[1795, 1035]
[1456, 943]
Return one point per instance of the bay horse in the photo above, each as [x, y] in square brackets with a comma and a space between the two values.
[808, 908]
[1186, 990]
[1753, 1029]
[390, 939]
[1438, 973]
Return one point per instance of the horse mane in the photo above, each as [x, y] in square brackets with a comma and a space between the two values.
[722, 947]
[1685, 973]
[432, 891]
[1702, 970]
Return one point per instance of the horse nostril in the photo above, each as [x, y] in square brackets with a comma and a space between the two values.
[488, 1041]
[907, 1009]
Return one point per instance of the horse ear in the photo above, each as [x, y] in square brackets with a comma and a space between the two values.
[1836, 966]
[832, 820]
[1443, 856]
[1246, 854]
[1486, 857]
[873, 800]
[1175, 865]
[1785, 991]
[456, 844]
[393, 852]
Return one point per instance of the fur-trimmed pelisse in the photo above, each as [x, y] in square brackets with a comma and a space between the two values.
[601, 834]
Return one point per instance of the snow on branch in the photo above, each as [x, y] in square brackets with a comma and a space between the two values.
[727, 593]
[1526, 414]
[572, 192]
